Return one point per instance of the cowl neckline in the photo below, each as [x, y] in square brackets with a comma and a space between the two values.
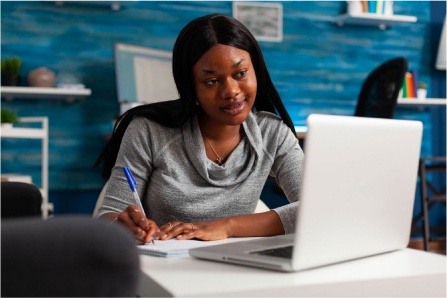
[239, 164]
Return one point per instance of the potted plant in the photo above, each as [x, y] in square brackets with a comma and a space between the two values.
[422, 90]
[11, 71]
[8, 118]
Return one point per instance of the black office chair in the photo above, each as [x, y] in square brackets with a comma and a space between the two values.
[378, 95]
[20, 199]
[379, 92]
[69, 256]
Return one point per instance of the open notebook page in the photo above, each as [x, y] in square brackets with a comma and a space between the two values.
[173, 247]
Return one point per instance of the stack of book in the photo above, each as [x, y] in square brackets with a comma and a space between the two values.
[380, 7]
[410, 85]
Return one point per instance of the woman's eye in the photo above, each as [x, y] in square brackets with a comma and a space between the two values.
[241, 74]
[211, 82]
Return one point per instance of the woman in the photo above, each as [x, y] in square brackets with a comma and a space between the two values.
[201, 162]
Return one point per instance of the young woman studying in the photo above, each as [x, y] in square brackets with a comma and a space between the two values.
[200, 162]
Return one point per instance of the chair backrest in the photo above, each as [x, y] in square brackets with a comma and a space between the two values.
[379, 92]
[69, 256]
[20, 199]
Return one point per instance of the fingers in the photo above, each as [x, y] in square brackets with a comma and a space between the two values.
[138, 217]
[177, 230]
[189, 234]
[143, 229]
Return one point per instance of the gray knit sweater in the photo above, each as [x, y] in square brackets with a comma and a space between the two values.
[177, 182]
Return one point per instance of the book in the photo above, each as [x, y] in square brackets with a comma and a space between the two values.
[404, 88]
[409, 84]
[364, 6]
[372, 6]
[415, 82]
[379, 6]
[174, 247]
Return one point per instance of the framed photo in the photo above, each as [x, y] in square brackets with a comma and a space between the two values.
[264, 20]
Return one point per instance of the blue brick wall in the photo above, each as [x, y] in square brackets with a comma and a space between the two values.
[319, 67]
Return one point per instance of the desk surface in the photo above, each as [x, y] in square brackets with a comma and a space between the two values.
[405, 273]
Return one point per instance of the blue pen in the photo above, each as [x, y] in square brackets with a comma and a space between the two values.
[133, 186]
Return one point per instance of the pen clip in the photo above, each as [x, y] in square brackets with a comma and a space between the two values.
[130, 178]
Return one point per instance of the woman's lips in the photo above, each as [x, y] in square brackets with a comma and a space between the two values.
[234, 108]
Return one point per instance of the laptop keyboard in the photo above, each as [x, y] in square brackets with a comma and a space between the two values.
[282, 252]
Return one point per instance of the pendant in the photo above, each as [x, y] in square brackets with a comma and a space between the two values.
[219, 160]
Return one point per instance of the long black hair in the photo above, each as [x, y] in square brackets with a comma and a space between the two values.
[196, 38]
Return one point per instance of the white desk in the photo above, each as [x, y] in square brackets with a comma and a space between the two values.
[405, 273]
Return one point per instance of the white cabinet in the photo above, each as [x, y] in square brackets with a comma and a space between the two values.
[68, 94]
[35, 133]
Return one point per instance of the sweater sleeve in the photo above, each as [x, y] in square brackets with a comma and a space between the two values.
[287, 170]
[135, 153]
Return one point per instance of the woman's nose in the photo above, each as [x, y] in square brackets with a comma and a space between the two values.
[230, 89]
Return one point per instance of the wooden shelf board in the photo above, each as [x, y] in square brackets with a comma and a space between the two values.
[44, 93]
[421, 102]
[372, 19]
[23, 133]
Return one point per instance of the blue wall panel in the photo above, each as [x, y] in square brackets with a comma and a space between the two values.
[319, 67]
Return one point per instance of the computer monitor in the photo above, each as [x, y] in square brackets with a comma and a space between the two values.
[143, 74]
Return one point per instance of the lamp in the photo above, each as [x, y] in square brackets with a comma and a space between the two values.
[440, 61]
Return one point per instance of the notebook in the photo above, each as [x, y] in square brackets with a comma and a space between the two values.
[173, 247]
[357, 196]
[170, 248]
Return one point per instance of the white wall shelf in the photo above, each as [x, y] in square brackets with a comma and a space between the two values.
[426, 102]
[68, 94]
[372, 19]
[34, 133]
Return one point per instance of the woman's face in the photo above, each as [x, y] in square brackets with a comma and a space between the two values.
[225, 84]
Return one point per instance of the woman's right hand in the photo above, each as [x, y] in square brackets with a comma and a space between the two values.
[144, 229]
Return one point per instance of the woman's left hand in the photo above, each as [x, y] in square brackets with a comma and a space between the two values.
[210, 230]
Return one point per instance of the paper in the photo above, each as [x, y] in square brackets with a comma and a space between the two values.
[172, 247]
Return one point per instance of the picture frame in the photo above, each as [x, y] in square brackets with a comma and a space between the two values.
[264, 20]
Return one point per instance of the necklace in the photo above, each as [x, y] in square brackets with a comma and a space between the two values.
[220, 158]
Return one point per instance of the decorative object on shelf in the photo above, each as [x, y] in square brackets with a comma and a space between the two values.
[68, 79]
[41, 77]
[388, 6]
[355, 7]
[8, 118]
[11, 71]
[422, 90]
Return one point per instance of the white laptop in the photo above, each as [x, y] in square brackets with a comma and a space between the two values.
[359, 185]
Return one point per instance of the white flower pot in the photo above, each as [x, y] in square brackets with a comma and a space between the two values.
[6, 125]
[422, 93]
